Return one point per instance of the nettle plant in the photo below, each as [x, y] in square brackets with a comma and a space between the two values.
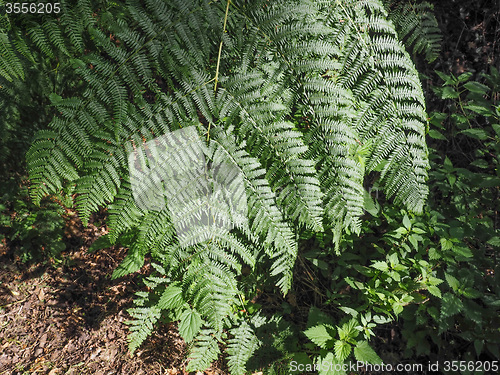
[462, 222]
[292, 105]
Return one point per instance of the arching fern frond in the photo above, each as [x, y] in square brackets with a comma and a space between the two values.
[416, 26]
[241, 347]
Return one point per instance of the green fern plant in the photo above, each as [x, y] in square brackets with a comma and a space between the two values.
[238, 74]
[416, 26]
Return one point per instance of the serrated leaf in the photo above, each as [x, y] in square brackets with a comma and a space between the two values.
[190, 324]
[364, 353]
[450, 305]
[473, 312]
[480, 134]
[464, 76]
[171, 298]
[342, 350]
[446, 244]
[436, 134]
[434, 290]
[132, 263]
[241, 347]
[494, 241]
[476, 87]
[449, 93]
[452, 281]
[462, 251]
[434, 254]
[329, 365]
[381, 266]
[471, 293]
[322, 335]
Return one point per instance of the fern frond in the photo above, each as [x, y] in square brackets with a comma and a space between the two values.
[241, 347]
[266, 219]
[204, 351]
[417, 26]
[11, 66]
[142, 326]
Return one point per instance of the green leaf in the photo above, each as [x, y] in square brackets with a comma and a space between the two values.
[434, 254]
[487, 112]
[471, 293]
[241, 348]
[473, 312]
[55, 99]
[464, 76]
[102, 242]
[451, 179]
[364, 353]
[480, 134]
[322, 335]
[462, 251]
[449, 93]
[328, 365]
[397, 307]
[413, 240]
[434, 280]
[437, 119]
[342, 350]
[452, 281]
[190, 324]
[171, 298]
[490, 181]
[434, 290]
[349, 311]
[481, 163]
[132, 263]
[496, 128]
[446, 244]
[379, 265]
[370, 205]
[494, 241]
[476, 87]
[406, 222]
[203, 352]
[448, 79]
[478, 346]
[447, 164]
[436, 134]
[316, 317]
[77, 63]
[450, 305]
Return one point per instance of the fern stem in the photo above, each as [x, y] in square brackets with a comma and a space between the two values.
[220, 45]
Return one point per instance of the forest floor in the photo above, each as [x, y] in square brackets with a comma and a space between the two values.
[69, 318]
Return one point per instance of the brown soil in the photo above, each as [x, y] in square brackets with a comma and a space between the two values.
[70, 318]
